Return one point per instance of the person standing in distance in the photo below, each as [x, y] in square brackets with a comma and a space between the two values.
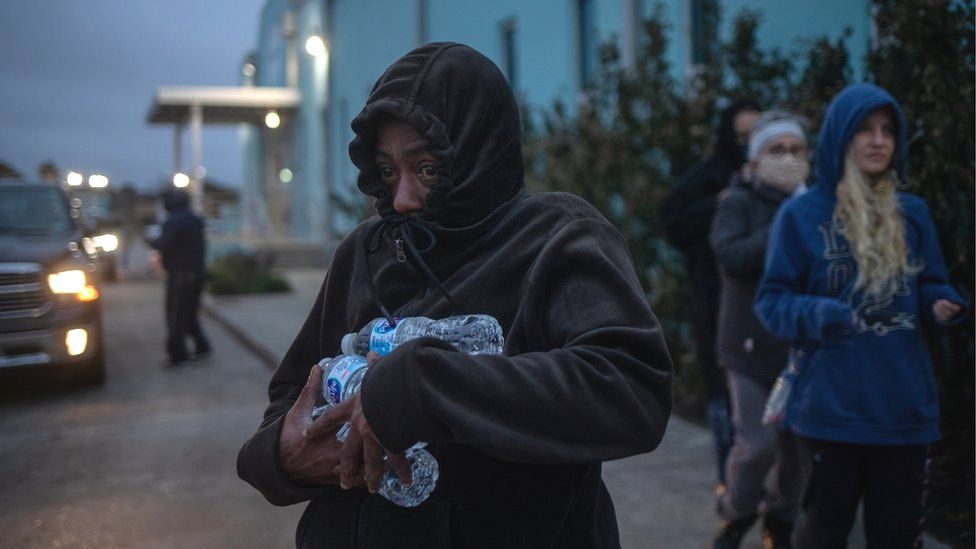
[182, 247]
[852, 270]
[779, 163]
[686, 216]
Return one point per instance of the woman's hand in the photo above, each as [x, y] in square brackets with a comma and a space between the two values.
[945, 311]
[307, 460]
[362, 455]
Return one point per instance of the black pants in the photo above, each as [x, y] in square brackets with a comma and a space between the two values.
[888, 478]
[182, 301]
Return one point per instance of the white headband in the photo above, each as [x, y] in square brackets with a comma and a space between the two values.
[760, 136]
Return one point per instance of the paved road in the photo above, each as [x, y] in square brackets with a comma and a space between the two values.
[148, 459]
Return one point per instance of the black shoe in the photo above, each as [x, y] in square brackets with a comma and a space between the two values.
[731, 533]
[776, 532]
[201, 355]
[176, 363]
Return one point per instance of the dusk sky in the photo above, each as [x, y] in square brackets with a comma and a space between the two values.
[77, 78]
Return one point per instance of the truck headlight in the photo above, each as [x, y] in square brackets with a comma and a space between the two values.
[67, 282]
[107, 242]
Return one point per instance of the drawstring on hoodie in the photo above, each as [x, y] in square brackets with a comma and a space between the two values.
[406, 226]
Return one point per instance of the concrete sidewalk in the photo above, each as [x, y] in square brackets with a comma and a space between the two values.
[663, 499]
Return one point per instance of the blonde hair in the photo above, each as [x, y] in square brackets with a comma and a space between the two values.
[871, 220]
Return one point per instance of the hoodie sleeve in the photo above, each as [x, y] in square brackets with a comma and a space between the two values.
[781, 303]
[738, 248]
[257, 461]
[169, 236]
[933, 284]
[594, 384]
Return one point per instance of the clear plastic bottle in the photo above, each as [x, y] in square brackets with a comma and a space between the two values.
[342, 377]
[470, 334]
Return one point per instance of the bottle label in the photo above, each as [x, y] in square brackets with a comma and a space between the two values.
[340, 374]
[383, 338]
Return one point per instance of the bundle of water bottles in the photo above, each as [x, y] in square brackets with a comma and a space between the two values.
[342, 377]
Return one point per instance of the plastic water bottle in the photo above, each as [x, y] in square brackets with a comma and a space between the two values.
[780, 395]
[342, 377]
[469, 334]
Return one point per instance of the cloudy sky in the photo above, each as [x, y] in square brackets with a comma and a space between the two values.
[77, 78]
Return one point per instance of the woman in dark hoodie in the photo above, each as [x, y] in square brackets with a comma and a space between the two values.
[752, 358]
[520, 437]
[852, 268]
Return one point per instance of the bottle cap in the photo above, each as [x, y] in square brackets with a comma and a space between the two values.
[348, 345]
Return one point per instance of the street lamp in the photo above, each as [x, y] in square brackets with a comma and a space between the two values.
[74, 179]
[181, 180]
[97, 181]
[315, 46]
[272, 120]
[285, 175]
[249, 69]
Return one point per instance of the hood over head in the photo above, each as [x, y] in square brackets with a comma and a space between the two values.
[844, 116]
[176, 199]
[728, 151]
[459, 101]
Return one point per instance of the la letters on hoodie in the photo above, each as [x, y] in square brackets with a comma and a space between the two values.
[867, 381]
[585, 376]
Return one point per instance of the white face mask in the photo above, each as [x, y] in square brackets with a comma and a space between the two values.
[784, 172]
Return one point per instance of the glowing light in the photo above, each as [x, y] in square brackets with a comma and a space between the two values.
[108, 242]
[88, 293]
[285, 175]
[74, 179]
[97, 181]
[181, 180]
[76, 341]
[249, 69]
[315, 46]
[67, 282]
[272, 120]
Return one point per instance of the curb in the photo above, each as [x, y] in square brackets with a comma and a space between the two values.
[266, 356]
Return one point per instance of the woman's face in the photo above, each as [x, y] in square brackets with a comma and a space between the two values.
[404, 162]
[873, 144]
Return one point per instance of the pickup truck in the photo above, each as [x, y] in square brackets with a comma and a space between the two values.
[50, 313]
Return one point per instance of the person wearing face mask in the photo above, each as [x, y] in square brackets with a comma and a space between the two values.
[751, 356]
[686, 216]
[852, 270]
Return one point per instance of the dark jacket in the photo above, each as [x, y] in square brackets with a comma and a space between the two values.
[739, 234]
[585, 376]
[181, 243]
[866, 376]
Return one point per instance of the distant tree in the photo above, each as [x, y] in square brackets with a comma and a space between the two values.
[6, 170]
[924, 57]
[48, 171]
[640, 129]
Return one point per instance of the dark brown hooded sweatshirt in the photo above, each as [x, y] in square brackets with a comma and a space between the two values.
[520, 437]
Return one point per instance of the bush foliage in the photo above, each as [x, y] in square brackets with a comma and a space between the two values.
[241, 272]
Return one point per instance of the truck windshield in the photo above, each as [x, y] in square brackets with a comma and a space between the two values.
[33, 210]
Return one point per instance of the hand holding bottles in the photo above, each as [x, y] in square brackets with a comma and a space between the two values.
[359, 441]
[304, 460]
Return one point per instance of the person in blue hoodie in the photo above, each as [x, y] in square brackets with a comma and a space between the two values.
[852, 268]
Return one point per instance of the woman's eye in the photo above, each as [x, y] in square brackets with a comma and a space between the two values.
[428, 171]
[386, 172]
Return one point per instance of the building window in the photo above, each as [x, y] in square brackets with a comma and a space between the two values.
[509, 31]
[704, 25]
[586, 41]
[422, 22]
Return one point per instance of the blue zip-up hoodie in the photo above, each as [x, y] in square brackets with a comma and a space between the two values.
[867, 379]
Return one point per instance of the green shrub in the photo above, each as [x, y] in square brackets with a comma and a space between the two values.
[242, 272]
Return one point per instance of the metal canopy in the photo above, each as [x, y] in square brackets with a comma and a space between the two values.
[220, 105]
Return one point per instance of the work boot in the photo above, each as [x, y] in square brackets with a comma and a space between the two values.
[776, 532]
[731, 533]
